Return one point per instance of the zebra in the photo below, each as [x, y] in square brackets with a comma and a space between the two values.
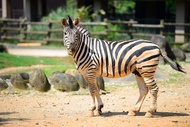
[115, 59]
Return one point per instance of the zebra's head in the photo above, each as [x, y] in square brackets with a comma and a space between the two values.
[70, 34]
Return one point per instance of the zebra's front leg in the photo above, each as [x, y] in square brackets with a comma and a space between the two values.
[96, 104]
[96, 109]
[143, 90]
[100, 105]
[92, 108]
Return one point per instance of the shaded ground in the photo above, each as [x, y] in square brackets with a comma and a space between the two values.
[31, 108]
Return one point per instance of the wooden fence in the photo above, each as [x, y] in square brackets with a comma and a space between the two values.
[44, 32]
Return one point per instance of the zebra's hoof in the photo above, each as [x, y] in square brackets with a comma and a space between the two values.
[131, 113]
[148, 115]
[90, 114]
[97, 113]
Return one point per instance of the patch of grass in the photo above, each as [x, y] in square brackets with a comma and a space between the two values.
[58, 64]
[61, 68]
[114, 87]
[7, 60]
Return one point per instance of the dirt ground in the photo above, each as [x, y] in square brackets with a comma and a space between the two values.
[59, 109]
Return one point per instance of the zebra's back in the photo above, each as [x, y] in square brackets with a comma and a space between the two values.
[118, 59]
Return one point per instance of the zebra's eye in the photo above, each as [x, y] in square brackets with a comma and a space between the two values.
[65, 33]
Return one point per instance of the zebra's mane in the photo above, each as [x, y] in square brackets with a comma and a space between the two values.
[83, 30]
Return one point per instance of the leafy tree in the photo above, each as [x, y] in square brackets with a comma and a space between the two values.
[122, 6]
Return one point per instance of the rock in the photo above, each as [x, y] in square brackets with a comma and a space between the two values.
[18, 82]
[81, 81]
[164, 45]
[39, 81]
[100, 82]
[3, 48]
[53, 75]
[186, 47]
[179, 54]
[25, 77]
[3, 84]
[71, 71]
[64, 82]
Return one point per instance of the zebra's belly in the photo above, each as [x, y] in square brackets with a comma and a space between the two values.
[110, 73]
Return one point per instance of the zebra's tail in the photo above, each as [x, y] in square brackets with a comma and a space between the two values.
[173, 64]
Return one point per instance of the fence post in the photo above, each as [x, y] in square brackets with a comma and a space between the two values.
[162, 27]
[22, 27]
[4, 31]
[130, 24]
[23, 30]
[106, 27]
[49, 31]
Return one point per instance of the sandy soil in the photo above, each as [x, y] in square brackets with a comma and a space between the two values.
[58, 109]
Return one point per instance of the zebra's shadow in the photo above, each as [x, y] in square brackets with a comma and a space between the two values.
[156, 114]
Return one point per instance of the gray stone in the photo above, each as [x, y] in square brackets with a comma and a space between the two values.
[3, 48]
[3, 84]
[180, 55]
[186, 47]
[100, 82]
[25, 77]
[164, 45]
[83, 84]
[64, 82]
[18, 82]
[71, 71]
[53, 75]
[39, 81]
[81, 81]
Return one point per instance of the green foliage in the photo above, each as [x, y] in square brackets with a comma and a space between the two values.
[124, 6]
[86, 14]
[171, 5]
[115, 36]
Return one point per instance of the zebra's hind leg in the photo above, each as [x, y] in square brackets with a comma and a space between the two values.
[143, 90]
[153, 88]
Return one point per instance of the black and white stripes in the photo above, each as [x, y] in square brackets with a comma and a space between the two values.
[114, 59]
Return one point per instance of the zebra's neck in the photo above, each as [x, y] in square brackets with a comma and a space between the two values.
[83, 47]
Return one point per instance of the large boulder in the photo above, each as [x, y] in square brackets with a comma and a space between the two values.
[39, 81]
[64, 82]
[81, 80]
[3, 48]
[179, 54]
[100, 82]
[25, 77]
[71, 71]
[53, 75]
[3, 84]
[164, 45]
[186, 47]
[18, 82]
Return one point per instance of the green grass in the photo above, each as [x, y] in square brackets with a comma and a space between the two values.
[7, 60]
[59, 64]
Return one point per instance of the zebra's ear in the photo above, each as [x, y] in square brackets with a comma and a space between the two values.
[76, 21]
[70, 22]
[64, 22]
